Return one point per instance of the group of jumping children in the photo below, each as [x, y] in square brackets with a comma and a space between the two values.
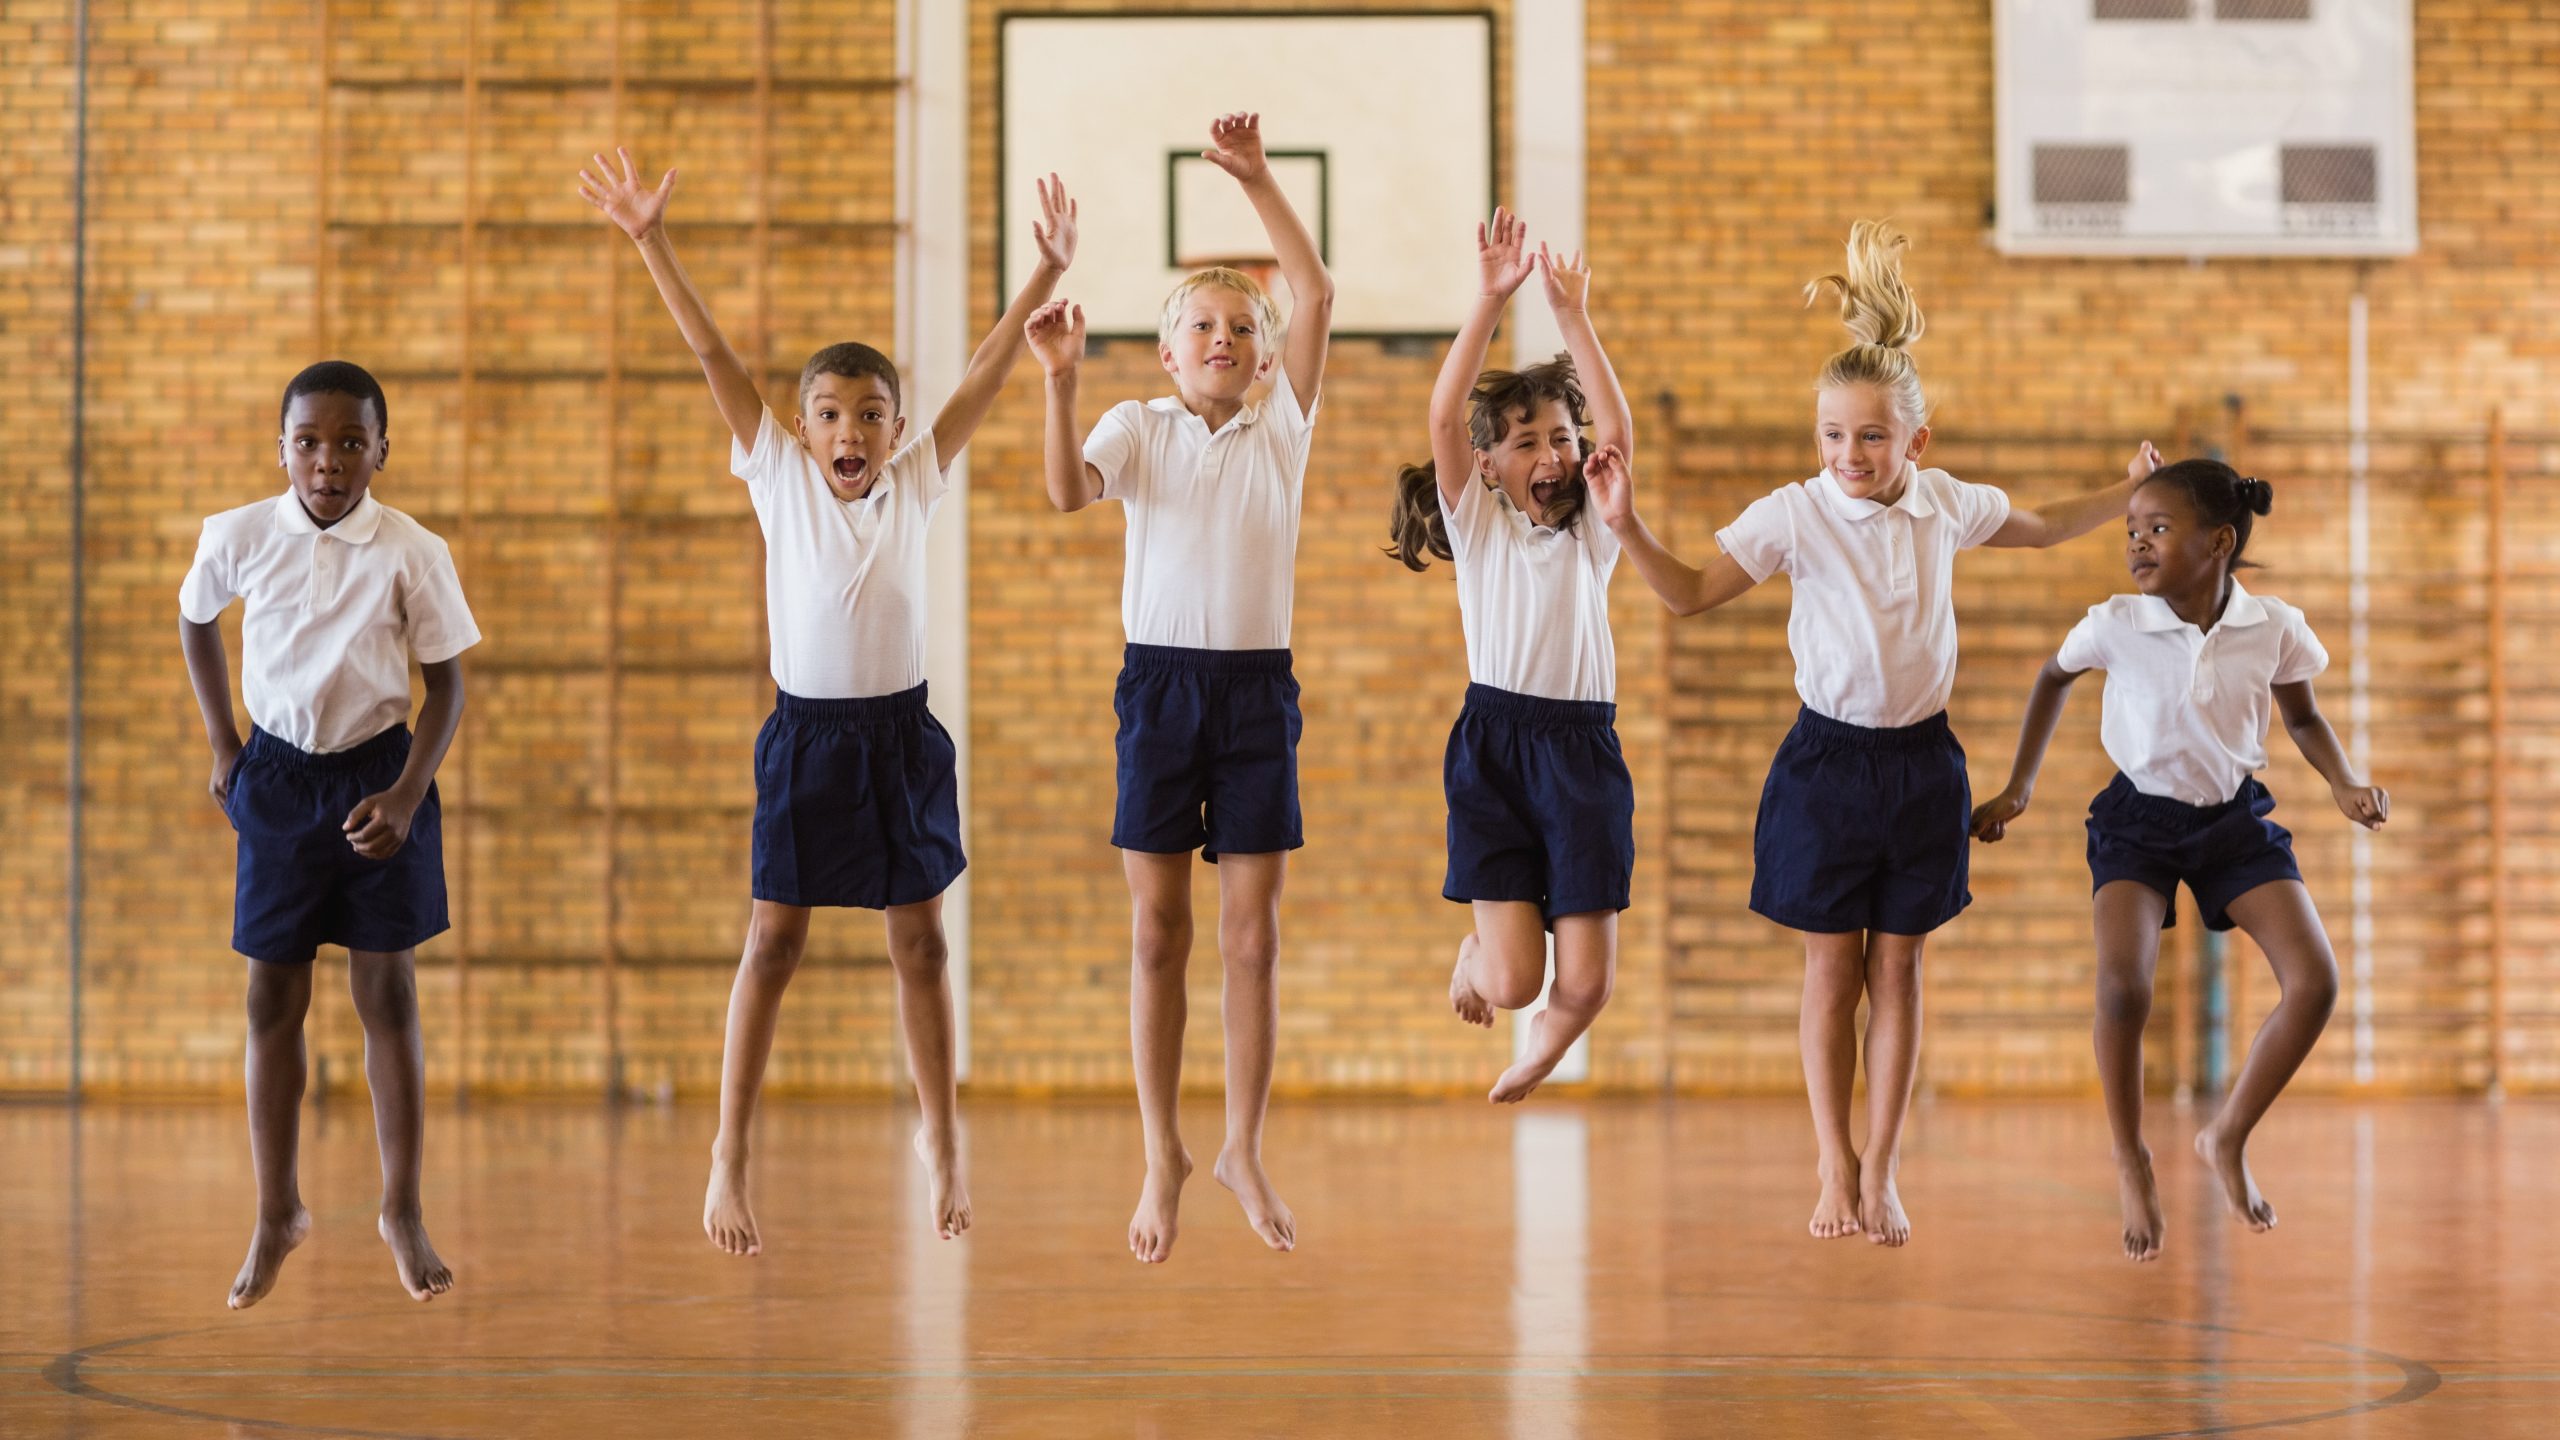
[1529, 492]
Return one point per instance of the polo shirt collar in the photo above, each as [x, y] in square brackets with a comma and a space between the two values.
[2151, 614]
[1172, 405]
[1914, 500]
[1519, 516]
[356, 528]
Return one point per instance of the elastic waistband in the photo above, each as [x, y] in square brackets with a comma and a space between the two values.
[391, 744]
[1929, 734]
[2120, 795]
[861, 710]
[1210, 662]
[1538, 709]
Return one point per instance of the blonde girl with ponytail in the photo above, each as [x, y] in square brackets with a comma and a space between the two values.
[1541, 807]
[1861, 839]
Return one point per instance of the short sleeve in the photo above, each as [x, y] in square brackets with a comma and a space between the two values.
[760, 466]
[1113, 448]
[2085, 648]
[439, 620]
[209, 585]
[1980, 511]
[1762, 540]
[2299, 653]
[917, 472]
[1466, 521]
[1281, 406]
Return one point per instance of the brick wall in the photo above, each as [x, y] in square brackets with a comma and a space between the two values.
[598, 800]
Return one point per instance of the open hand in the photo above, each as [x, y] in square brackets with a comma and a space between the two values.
[1503, 260]
[1568, 280]
[2367, 805]
[1991, 818]
[1054, 233]
[1611, 485]
[1056, 334]
[2145, 460]
[379, 825]
[635, 207]
[1236, 145]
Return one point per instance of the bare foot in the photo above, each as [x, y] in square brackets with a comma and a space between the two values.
[1471, 1007]
[1835, 1212]
[1516, 1083]
[950, 1192]
[1242, 1174]
[268, 1246]
[1880, 1212]
[1151, 1229]
[2230, 1164]
[725, 1216]
[421, 1273]
[2140, 1196]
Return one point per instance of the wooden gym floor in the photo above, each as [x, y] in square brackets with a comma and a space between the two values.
[1603, 1268]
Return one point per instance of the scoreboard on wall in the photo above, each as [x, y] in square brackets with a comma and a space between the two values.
[2206, 127]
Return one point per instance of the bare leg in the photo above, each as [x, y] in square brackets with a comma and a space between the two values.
[1249, 946]
[1586, 971]
[385, 988]
[2280, 917]
[279, 998]
[1159, 1007]
[1502, 963]
[1835, 975]
[2128, 915]
[776, 934]
[1893, 1061]
[922, 957]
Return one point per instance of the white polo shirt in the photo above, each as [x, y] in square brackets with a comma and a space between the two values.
[1873, 624]
[2186, 710]
[844, 582]
[333, 615]
[1534, 600]
[1213, 518]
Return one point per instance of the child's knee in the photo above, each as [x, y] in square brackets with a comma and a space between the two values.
[2124, 1001]
[921, 955]
[1512, 987]
[1584, 993]
[2315, 986]
[385, 992]
[278, 1000]
[1249, 944]
[774, 958]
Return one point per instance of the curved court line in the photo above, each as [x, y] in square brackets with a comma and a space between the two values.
[2418, 1379]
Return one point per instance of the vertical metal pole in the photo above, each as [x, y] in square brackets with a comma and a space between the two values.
[2360, 675]
[75, 777]
[2498, 833]
[612, 776]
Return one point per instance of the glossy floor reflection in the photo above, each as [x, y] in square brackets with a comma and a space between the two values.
[1610, 1269]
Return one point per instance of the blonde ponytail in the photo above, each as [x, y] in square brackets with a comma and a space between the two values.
[1882, 317]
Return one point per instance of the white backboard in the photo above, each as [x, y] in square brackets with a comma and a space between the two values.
[2206, 127]
[1379, 127]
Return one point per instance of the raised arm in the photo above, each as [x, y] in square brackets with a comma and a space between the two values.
[642, 213]
[2059, 520]
[2366, 804]
[209, 671]
[1687, 589]
[1054, 234]
[2044, 711]
[1056, 335]
[1236, 147]
[1613, 422]
[1502, 265]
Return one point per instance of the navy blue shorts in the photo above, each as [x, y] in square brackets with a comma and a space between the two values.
[857, 803]
[1863, 829]
[301, 885]
[1541, 807]
[2222, 851]
[1208, 750]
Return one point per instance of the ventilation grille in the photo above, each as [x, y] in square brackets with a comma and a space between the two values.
[2262, 9]
[2140, 9]
[2084, 175]
[2331, 175]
